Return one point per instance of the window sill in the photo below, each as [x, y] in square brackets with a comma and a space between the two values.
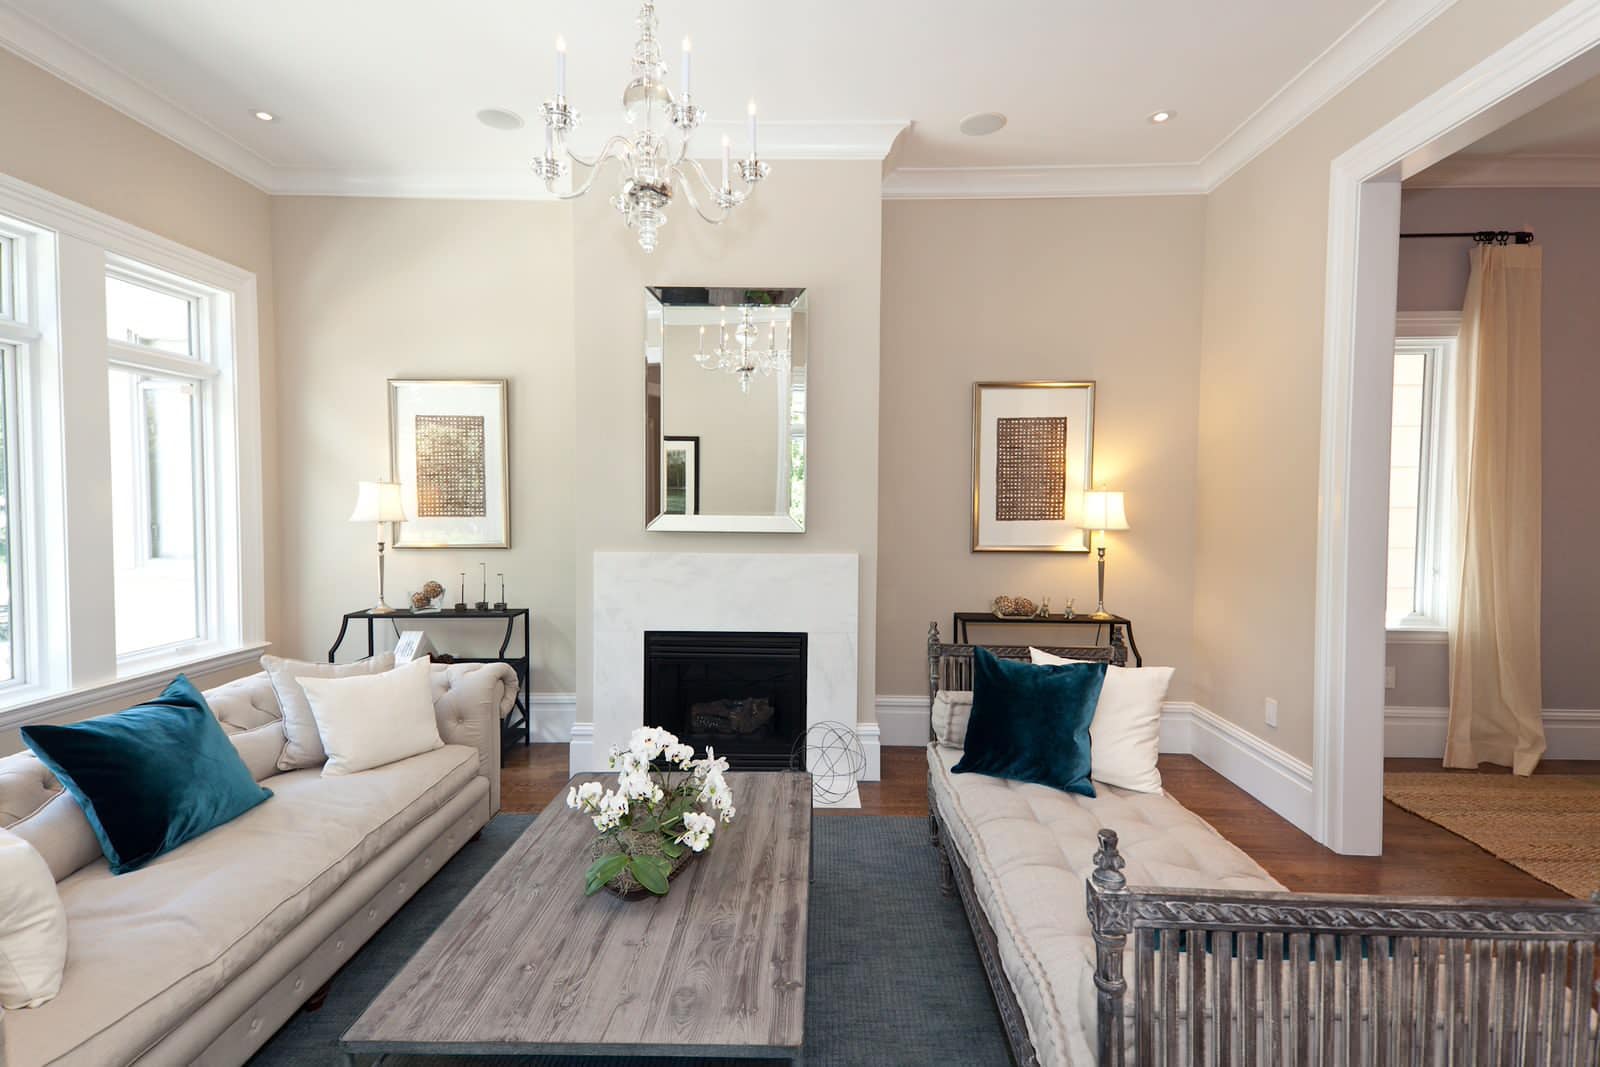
[1417, 635]
[26, 707]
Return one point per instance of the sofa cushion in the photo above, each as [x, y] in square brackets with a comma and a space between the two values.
[33, 927]
[950, 712]
[370, 720]
[148, 947]
[1031, 723]
[152, 777]
[1031, 848]
[302, 746]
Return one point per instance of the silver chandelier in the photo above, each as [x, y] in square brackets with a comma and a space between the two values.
[655, 156]
[742, 354]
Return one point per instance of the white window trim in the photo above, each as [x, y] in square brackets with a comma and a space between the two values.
[72, 355]
[1441, 329]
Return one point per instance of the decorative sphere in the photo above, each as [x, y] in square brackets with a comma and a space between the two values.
[832, 753]
[420, 601]
[433, 590]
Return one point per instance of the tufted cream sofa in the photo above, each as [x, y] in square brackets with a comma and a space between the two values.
[1027, 850]
[200, 956]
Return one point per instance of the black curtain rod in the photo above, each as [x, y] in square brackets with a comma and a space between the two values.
[1485, 237]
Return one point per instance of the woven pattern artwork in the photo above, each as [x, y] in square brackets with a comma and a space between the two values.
[1030, 469]
[451, 478]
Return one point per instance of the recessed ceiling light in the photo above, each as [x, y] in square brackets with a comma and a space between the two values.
[500, 119]
[983, 123]
[266, 116]
[1163, 117]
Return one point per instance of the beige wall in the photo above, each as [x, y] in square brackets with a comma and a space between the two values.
[379, 289]
[1433, 277]
[62, 140]
[1004, 290]
[812, 225]
[1261, 384]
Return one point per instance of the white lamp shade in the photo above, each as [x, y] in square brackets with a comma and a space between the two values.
[378, 502]
[1104, 511]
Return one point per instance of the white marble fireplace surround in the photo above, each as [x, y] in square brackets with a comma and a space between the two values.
[815, 593]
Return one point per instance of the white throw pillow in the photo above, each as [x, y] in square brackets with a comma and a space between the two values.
[33, 927]
[302, 745]
[365, 721]
[952, 708]
[1125, 733]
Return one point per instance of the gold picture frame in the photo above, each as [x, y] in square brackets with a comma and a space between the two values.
[1047, 465]
[470, 418]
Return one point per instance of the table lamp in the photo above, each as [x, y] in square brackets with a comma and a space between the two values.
[379, 502]
[1102, 511]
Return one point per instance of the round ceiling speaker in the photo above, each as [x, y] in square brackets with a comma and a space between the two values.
[499, 119]
[983, 124]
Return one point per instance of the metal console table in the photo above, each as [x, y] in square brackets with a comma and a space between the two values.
[1119, 628]
[522, 664]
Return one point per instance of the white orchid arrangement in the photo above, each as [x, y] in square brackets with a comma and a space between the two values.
[666, 803]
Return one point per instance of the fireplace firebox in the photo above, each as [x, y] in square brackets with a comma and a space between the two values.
[743, 694]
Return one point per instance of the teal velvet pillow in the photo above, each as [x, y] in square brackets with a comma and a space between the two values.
[1031, 724]
[152, 777]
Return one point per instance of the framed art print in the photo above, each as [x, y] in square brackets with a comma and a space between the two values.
[448, 449]
[680, 475]
[1032, 459]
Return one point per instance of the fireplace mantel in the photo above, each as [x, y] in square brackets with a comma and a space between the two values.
[817, 594]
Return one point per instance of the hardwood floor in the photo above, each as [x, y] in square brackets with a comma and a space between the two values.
[1420, 859]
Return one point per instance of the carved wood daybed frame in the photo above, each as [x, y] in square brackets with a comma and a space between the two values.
[1433, 980]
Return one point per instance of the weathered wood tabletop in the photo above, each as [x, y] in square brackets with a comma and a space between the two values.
[527, 964]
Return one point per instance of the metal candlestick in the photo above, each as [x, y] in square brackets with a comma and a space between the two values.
[500, 605]
[461, 605]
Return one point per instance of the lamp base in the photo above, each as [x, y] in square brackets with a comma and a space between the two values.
[1102, 615]
[381, 608]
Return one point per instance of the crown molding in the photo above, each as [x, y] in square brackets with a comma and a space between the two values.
[1510, 172]
[1024, 183]
[1383, 29]
[76, 66]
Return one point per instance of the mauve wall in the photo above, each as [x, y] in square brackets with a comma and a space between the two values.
[1433, 277]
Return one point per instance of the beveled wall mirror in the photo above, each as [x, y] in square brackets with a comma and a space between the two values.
[725, 409]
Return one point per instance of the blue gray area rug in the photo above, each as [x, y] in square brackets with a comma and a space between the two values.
[892, 974]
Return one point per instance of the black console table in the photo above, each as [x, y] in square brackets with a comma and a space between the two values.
[961, 619]
[522, 664]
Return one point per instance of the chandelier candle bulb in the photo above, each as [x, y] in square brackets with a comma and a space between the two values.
[727, 158]
[561, 68]
[687, 62]
[752, 111]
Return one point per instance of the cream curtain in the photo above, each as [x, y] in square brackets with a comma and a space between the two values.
[1495, 692]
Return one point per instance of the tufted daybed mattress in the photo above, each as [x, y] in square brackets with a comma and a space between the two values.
[1029, 849]
[198, 957]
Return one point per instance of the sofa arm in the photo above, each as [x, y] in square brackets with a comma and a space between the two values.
[470, 700]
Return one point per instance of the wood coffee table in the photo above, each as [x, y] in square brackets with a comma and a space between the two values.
[527, 964]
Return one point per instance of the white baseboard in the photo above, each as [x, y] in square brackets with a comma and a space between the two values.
[903, 720]
[871, 737]
[1568, 733]
[1266, 772]
[582, 757]
[553, 715]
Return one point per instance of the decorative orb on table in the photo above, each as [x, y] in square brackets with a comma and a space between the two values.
[832, 753]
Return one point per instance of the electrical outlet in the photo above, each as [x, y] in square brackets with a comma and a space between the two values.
[1272, 712]
[1388, 677]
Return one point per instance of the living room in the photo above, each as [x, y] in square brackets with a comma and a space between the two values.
[370, 341]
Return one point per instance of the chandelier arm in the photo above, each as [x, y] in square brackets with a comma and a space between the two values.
[692, 166]
[605, 156]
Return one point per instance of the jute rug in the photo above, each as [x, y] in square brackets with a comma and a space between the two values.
[1547, 825]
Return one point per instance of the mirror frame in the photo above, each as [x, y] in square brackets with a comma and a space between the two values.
[725, 296]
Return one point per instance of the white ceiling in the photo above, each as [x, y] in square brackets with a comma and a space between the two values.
[380, 95]
[1556, 145]
[1569, 125]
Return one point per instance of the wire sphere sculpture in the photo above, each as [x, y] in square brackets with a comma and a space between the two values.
[832, 753]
